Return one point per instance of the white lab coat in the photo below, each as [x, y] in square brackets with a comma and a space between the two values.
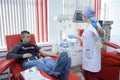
[91, 53]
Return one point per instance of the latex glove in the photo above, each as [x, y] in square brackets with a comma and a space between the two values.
[93, 21]
[71, 36]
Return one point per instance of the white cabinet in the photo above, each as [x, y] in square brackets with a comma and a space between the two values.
[75, 54]
[76, 58]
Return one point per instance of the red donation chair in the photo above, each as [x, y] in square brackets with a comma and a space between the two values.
[14, 65]
[110, 61]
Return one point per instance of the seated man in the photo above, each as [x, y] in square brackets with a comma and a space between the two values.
[26, 53]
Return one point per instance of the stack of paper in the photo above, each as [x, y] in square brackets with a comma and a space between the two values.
[33, 74]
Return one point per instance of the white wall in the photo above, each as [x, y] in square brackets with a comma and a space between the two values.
[111, 11]
[55, 9]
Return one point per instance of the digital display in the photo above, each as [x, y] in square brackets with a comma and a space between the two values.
[77, 16]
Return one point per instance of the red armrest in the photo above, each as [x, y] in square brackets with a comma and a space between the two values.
[5, 63]
[110, 58]
[111, 44]
[113, 53]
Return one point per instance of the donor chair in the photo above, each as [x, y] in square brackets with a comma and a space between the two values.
[16, 68]
[110, 63]
[110, 60]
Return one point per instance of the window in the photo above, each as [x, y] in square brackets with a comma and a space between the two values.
[18, 15]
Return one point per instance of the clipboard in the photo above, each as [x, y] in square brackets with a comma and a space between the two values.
[33, 74]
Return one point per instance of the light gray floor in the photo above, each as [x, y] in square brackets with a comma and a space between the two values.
[76, 70]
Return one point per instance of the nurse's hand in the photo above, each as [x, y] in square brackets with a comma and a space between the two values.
[71, 36]
[93, 22]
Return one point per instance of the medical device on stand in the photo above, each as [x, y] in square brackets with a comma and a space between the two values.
[66, 44]
[65, 25]
[106, 25]
[64, 30]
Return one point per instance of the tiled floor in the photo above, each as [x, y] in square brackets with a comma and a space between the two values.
[79, 72]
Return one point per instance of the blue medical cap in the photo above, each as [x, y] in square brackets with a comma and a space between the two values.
[88, 12]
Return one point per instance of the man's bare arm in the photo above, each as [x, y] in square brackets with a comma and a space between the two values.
[48, 53]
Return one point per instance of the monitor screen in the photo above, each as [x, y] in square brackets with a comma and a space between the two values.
[77, 16]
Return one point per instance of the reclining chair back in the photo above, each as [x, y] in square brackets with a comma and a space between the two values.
[12, 40]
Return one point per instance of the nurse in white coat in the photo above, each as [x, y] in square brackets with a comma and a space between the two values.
[91, 36]
[91, 52]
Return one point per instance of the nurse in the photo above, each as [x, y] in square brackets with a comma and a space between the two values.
[91, 52]
[91, 62]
